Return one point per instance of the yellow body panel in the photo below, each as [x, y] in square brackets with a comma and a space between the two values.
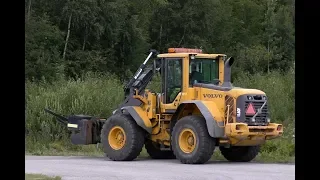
[211, 95]
[150, 106]
[236, 92]
[218, 96]
[216, 111]
[174, 105]
[159, 133]
[241, 134]
[143, 115]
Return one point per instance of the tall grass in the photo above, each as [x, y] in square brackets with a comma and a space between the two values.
[99, 95]
[92, 95]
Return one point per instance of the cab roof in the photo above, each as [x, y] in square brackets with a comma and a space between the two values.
[186, 52]
[197, 55]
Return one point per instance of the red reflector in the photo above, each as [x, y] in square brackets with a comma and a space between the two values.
[279, 128]
[250, 110]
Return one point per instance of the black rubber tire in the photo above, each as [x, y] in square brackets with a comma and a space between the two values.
[205, 144]
[240, 153]
[154, 151]
[135, 137]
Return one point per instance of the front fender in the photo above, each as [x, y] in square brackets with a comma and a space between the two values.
[211, 113]
[139, 116]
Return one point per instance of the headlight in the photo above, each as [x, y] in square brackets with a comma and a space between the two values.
[268, 119]
[250, 98]
[264, 97]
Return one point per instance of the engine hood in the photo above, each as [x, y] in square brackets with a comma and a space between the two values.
[237, 91]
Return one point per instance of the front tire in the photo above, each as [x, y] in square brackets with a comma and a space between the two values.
[153, 149]
[240, 153]
[122, 138]
[191, 142]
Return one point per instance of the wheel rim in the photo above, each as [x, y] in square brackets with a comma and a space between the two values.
[117, 138]
[187, 141]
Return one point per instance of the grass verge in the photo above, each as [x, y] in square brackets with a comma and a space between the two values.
[40, 177]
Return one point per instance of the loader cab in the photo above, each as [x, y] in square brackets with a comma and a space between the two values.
[181, 69]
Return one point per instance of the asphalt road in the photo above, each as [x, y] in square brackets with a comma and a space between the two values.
[93, 168]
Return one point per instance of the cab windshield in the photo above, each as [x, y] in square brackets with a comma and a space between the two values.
[203, 70]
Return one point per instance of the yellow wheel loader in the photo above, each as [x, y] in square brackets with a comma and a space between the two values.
[196, 111]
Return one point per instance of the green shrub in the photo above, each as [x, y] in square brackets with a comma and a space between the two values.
[92, 95]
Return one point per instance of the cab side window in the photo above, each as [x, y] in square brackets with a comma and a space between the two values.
[174, 79]
[203, 71]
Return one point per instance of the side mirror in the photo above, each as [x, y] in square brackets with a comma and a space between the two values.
[154, 53]
[157, 65]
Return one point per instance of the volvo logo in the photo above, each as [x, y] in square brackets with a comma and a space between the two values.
[212, 95]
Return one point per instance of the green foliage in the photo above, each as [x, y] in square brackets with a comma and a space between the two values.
[155, 84]
[41, 176]
[42, 43]
[84, 61]
[253, 59]
[119, 33]
[96, 95]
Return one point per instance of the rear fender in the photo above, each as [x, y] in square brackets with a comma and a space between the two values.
[209, 110]
[140, 116]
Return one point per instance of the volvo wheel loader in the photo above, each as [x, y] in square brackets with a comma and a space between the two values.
[196, 111]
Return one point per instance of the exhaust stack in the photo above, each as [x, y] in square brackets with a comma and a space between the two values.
[227, 72]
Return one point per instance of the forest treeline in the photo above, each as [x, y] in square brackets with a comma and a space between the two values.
[68, 38]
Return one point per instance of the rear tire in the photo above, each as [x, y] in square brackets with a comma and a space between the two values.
[122, 138]
[153, 149]
[191, 142]
[240, 153]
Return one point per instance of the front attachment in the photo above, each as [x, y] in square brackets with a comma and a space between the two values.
[85, 129]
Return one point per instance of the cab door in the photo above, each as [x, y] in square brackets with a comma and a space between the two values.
[172, 83]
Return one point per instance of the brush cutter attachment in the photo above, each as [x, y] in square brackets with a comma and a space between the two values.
[85, 129]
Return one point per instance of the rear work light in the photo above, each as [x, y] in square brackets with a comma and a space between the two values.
[184, 50]
[279, 128]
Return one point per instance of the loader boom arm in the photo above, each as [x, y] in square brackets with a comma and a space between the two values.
[138, 72]
[139, 82]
